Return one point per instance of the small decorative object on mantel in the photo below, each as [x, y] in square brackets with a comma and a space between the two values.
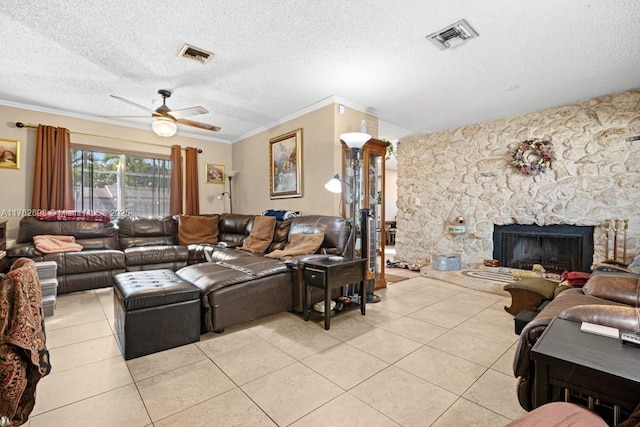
[533, 156]
[457, 227]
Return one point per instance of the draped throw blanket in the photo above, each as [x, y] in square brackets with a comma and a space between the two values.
[50, 244]
[24, 358]
[299, 244]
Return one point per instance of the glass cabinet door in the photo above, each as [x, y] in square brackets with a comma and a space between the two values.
[365, 168]
[374, 195]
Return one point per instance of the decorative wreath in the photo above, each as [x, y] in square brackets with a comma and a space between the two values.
[533, 156]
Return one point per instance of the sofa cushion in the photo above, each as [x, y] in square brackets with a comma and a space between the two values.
[335, 230]
[625, 290]
[91, 235]
[234, 228]
[213, 276]
[149, 255]
[86, 261]
[198, 229]
[299, 244]
[261, 235]
[620, 317]
[141, 231]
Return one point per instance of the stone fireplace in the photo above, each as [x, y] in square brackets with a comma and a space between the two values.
[557, 248]
[467, 172]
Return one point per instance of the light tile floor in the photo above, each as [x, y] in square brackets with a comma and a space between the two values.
[430, 353]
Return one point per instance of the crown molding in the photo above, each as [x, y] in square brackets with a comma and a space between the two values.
[330, 100]
[105, 121]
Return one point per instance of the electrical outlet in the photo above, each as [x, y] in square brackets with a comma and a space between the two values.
[417, 201]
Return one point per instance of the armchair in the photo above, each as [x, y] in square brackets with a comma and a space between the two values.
[612, 301]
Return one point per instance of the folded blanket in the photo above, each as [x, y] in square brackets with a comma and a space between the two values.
[299, 244]
[575, 278]
[50, 244]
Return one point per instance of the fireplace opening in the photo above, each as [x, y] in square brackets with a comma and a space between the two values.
[557, 248]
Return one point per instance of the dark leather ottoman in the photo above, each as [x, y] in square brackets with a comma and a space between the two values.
[154, 310]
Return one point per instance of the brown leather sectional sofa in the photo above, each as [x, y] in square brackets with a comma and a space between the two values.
[93, 267]
[239, 286]
[608, 298]
[236, 285]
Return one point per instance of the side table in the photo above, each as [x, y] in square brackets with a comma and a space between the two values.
[600, 367]
[327, 275]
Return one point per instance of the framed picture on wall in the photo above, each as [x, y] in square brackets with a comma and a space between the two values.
[285, 165]
[215, 173]
[9, 154]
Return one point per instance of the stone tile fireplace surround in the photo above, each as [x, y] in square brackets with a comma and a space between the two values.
[466, 172]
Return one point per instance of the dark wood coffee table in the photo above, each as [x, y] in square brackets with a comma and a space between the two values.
[327, 275]
[594, 365]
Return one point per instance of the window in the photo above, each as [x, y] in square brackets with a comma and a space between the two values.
[120, 183]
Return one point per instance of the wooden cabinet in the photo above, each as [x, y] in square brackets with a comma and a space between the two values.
[368, 194]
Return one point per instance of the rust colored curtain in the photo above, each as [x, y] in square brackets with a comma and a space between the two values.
[52, 185]
[175, 201]
[192, 200]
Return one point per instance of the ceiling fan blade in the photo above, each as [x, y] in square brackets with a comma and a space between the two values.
[187, 112]
[126, 101]
[125, 117]
[200, 125]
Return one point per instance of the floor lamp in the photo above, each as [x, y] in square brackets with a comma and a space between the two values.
[355, 141]
[230, 174]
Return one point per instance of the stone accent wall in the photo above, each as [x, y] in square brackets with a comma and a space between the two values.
[467, 172]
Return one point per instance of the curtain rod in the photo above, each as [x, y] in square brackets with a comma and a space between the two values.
[30, 126]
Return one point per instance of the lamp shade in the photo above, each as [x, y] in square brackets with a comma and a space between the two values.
[334, 185]
[232, 173]
[163, 126]
[355, 139]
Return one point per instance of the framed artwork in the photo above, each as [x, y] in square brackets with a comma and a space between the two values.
[215, 173]
[285, 165]
[9, 154]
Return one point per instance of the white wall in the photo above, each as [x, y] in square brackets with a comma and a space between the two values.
[390, 194]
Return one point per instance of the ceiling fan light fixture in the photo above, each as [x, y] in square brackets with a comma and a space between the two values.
[164, 127]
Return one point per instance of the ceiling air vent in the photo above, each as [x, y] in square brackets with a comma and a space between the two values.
[453, 35]
[195, 53]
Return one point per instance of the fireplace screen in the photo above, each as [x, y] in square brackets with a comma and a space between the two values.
[557, 248]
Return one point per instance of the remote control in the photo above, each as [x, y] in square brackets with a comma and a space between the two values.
[632, 338]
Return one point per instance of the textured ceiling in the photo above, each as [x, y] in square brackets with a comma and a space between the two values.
[274, 58]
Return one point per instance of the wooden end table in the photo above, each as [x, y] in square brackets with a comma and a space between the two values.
[597, 366]
[327, 275]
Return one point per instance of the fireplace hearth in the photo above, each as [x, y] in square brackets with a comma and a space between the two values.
[557, 248]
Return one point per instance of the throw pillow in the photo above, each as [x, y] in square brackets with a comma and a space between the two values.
[261, 234]
[198, 229]
[299, 244]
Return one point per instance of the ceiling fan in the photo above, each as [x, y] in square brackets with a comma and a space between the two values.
[166, 119]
